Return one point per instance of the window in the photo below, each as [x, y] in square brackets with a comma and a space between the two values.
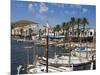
[85, 33]
[90, 33]
[78, 33]
[74, 33]
[70, 33]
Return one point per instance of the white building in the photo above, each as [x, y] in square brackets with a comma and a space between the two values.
[22, 27]
[88, 32]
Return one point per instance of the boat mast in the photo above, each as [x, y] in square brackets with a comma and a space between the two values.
[87, 44]
[80, 44]
[27, 49]
[27, 57]
[35, 55]
[69, 42]
[46, 53]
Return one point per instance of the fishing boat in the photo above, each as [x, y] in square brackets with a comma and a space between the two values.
[74, 63]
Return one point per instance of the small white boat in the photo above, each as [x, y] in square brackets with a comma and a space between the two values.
[40, 68]
[64, 60]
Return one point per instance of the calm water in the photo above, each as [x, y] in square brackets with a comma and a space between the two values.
[19, 53]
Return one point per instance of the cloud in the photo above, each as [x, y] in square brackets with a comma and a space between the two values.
[84, 10]
[43, 8]
[80, 8]
[32, 7]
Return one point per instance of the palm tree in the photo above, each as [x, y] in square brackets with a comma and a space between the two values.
[63, 26]
[40, 31]
[67, 26]
[78, 22]
[30, 33]
[54, 30]
[21, 31]
[58, 27]
[84, 22]
[73, 24]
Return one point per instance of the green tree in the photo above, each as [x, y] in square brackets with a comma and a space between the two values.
[58, 28]
[30, 32]
[21, 31]
[67, 26]
[78, 22]
[40, 32]
[54, 30]
[63, 26]
[73, 22]
[84, 22]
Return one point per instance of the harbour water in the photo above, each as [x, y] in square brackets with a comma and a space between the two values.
[19, 53]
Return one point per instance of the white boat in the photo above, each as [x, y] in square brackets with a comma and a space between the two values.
[64, 60]
[40, 68]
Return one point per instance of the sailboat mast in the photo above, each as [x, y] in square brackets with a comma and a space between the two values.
[46, 53]
[69, 40]
[27, 57]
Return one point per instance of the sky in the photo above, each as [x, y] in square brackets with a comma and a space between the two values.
[54, 13]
